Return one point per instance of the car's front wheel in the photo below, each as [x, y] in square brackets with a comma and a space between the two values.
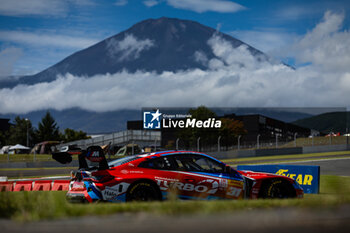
[143, 191]
[277, 188]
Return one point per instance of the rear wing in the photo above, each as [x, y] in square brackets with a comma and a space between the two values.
[94, 154]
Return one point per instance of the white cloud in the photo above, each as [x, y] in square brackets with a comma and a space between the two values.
[200, 6]
[266, 40]
[326, 46]
[45, 39]
[129, 48]
[200, 57]
[121, 2]
[235, 79]
[235, 57]
[151, 3]
[8, 57]
[55, 8]
[296, 12]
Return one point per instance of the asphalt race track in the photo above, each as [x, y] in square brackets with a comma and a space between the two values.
[35, 172]
[339, 167]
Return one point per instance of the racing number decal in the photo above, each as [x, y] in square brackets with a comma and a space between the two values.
[233, 191]
[234, 188]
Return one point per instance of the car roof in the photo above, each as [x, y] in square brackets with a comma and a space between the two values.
[169, 152]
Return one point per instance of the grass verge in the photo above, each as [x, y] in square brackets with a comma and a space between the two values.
[33, 206]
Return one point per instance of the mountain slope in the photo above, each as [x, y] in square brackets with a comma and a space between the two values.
[113, 121]
[164, 44]
[327, 122]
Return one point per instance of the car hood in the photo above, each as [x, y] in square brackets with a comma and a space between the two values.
[259, 175]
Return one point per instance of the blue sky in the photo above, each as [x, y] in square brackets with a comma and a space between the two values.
[35, 34]
[312, 35]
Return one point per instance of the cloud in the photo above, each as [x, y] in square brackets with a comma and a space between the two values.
[45, 39]
[8, 57]
[151, 3]
[326, 46]
[57, 8]
[121, 2]
[297, 12]
[235, 79]
[201, 57]
[129, 48]
[266, 40]
[233, 56]
[200, 6]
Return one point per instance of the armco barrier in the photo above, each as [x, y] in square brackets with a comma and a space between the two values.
[6, 186]
[60, 185]
[42, 185]
[23, 186]
[279, 151]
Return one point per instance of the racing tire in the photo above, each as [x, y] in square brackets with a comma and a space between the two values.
[143, 191]
[277, 188]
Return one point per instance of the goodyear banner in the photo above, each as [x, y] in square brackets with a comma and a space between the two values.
[307, 176]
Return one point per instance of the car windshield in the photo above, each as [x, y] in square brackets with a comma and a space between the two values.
[121, 161]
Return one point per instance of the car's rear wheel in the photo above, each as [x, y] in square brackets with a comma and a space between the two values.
[277, 188]
[143, 191]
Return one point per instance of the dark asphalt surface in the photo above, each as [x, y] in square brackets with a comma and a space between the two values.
[339, 167]
[35, 172]
[329, 166]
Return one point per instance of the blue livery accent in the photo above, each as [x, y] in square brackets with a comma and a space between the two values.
[220, 175]
[308, 177]
[94, 193]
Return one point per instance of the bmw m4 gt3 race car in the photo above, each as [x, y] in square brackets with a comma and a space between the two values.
[153, 176]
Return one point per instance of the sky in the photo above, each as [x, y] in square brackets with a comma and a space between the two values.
[313, 36]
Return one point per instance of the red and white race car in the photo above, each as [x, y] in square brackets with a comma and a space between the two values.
[153, 176]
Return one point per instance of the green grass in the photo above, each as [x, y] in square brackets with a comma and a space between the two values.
[296, 156]
[33, 206]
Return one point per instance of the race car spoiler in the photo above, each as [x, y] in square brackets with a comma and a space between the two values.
[94, 154]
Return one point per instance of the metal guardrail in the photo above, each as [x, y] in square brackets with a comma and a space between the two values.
[140, 137]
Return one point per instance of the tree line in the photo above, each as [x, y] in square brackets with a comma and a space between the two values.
[23, 132]
[230, 130]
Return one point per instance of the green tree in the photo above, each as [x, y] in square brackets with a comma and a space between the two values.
[19, 132]
[72, 135]
[230, 130]
[207, 136]
[48, 129]
[3, 138]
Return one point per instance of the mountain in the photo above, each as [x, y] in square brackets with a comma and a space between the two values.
[164, 44]
[327, 122]
[113, 121]
[155, 45]
[87, 121]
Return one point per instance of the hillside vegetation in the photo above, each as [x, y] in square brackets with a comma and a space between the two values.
[327, 122]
